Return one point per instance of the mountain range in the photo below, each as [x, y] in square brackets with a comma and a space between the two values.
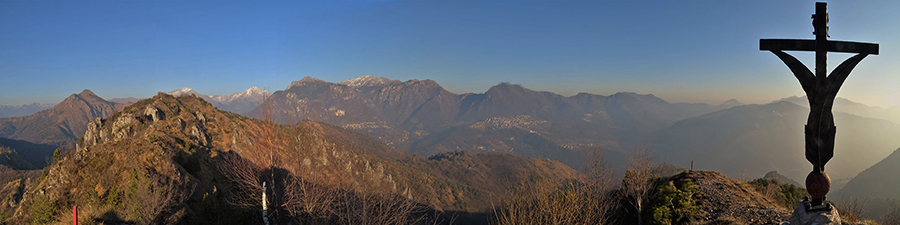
[851, 107]
[421, 117]
[238, 102]
[455, 150]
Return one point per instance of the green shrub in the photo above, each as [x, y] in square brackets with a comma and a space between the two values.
[187, 145]
[57, 155]
[113, 197]
[674, 205]
[42, 209]
[212, 208]
[788, 195]
[43, 175]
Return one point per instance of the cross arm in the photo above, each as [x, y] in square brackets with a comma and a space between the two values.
[837, 77]
[806, 77]
[810, 45]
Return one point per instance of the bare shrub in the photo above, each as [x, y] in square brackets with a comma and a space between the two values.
[850, 208]
[892, 217]
[373, 208]
[638, 182]
[245, 177]
[159, 199]
[544, 201]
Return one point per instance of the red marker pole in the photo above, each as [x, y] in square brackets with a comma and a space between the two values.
[75, 214]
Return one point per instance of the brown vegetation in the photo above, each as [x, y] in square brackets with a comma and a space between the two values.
[539, 200]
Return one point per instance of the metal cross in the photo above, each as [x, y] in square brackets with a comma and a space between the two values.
[820, 91]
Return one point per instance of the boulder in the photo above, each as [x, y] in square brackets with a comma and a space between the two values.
[802, 216]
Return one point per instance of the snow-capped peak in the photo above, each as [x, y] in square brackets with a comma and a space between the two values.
[251, 94]
[366, 80]
[255, 91]
[182, 91]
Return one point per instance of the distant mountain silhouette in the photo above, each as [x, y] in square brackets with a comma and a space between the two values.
[61, 125]
[422, 117]
[751, 140]
[7, 111]
[880, 180]
[781, 179]
[851, 107]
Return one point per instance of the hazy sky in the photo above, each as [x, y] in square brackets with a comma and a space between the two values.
[681, 51]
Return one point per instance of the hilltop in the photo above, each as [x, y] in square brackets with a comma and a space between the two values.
[61, 125]
[725, 200]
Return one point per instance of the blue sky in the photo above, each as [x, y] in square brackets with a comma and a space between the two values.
[681, 51]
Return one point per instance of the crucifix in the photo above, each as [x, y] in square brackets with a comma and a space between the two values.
[820, 91]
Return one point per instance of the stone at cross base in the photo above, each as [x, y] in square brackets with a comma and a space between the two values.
[804, 216]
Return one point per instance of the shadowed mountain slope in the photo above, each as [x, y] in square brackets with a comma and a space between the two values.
[23, 155]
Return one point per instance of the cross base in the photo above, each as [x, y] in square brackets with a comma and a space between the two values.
[816, 205]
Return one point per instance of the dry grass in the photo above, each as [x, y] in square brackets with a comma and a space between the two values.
[545, 201]
[850, 208]
[892, 217]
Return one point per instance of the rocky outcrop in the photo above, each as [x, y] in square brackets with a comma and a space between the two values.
[121, 128]
[201, 118]
[92, 134]
[199, 134]
[153, 113]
